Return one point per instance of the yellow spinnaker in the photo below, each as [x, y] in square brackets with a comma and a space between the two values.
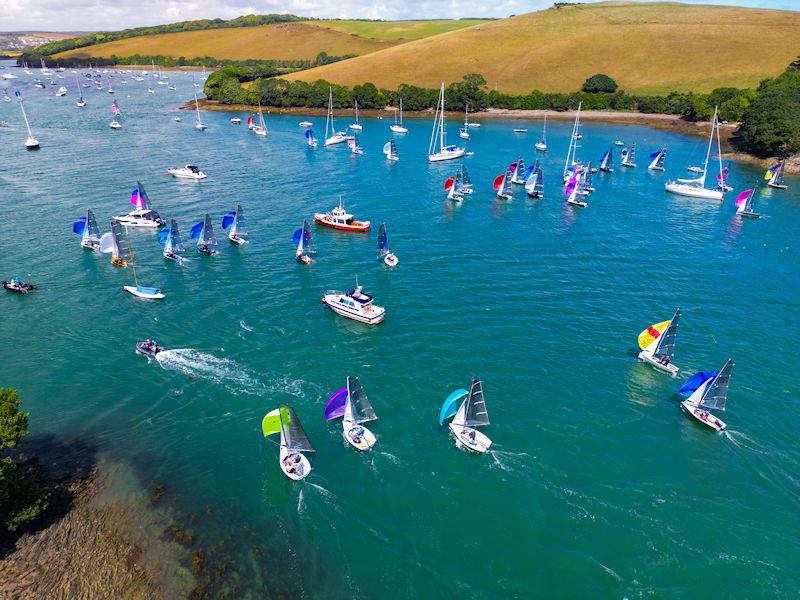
[651, 333]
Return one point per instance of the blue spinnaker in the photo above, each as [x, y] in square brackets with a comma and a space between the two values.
[196, 230]
[695, 381]
[163, 235]
[228, 219]
[450, 406]
[79, 226]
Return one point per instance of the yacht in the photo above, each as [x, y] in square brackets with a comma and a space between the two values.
[187, 172]
[142, 217]
[356, 305]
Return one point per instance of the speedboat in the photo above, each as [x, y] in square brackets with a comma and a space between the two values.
[177, 119]
[618, 143]
[355, 304]
[187, 172]
[18, 286]
[305, 124]
[141, 218]
[236, 120]
[520, 130]
[148, 348]
[115, 124]
[62, 91]
[339, 219]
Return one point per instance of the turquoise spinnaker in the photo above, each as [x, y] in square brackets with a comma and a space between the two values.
[450, 406]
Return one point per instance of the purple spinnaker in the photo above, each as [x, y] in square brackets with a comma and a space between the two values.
[335, 406]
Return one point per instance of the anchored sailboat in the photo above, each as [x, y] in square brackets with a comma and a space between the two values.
[438, 150]
[305, 245]
[463, 133]
[203, 232]
[294, 441]
[628, 156]
[236, 221]
[31, 143]
[80, 102]
[332, 136]
[198, 123]
[657, 160]
[356, 126]
[390, 150]
[86, 228]
[353, 406]
[469, 415]
[534, 182]
[398, 127]
[541, 145]
[657, 343]
[711, 395]
[384, 251]
[774, 175]
[170, 239]
[695, 188]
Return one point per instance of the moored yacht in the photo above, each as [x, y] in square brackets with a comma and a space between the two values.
[187, 172]
[355, 304]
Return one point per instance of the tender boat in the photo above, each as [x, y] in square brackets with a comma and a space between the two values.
[86, 228]
[238, 228]
[657, 344]
[304, 243]
[18, 286]
[384, 251]
[438, 150]
[203, 232]
[148, 348]
[187, 172]
[170, 239]
[712, 394]
[338, 218]
[143, 214]
[352, 405]
[695, 188]
[355, 304]
[618, 143]
[294, 441]
[470, 414]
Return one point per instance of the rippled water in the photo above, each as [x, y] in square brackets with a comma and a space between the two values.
[597, 485]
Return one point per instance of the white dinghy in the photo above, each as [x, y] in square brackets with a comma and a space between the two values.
[352, 405]
[294, 441]
[657, 343]
[86, 228]
[469, 415]
[711, 395]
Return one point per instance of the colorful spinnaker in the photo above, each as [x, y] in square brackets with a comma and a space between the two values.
[652, 333]
[695, 381]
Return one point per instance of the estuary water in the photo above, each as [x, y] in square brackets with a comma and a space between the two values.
[597, 485]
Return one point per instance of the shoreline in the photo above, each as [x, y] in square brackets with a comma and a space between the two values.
[664, 122]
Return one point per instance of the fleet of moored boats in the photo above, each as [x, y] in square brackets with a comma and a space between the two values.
[464, 409]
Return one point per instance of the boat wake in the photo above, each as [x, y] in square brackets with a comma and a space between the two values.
[245, 326]
[742, 440]
[198, 365]
[301, 504]
[506, 460]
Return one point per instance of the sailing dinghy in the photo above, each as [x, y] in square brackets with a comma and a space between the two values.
[80, 102]
[390, 150]
[236, 221]
[657, 160]
[384, 251]
[711, 395]
[115, 243]
[354, 144]
[398, 126]
[469, 415]
[502, 183]
[115, 110]
[572, 189]
[352, 405]
[170, 239]
[310, 139]
[518, 176]
[628, 156]
[657, 344]
[294, 441]
[695, 188]
[203, 232]
[438, 150]
[534, 182]
[454, 187]
[332, 137]
[86, 228]
[356, 126]
[305, 245]
[744, 204]
[31, 143]
[774, 176]
[607, 161]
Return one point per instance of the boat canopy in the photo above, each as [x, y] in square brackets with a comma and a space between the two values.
[360, 406]
[694, 382]
[716, 393]
[335, 405]
[294, 436]
[450, 406]
[649, 335]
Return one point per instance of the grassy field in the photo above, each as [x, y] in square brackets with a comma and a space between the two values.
[287, 41]
[647, 48]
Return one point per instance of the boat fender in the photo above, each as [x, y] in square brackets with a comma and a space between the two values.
[324, 301]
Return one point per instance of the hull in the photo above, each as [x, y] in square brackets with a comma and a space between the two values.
[23, 288]
[702, 415]
[32, 143]
[398, 129]
[132, 289]
[147, 350]
[391, 260]
[294, 464]
[356, 127]
[692, 191]
[541, 147]
[132, 222]
[90, 245]
[335, 139]
[359, 437]
[181, 174]
[749, 214]
[237, 240]
[670, 368]
[325, 220]
[777, 186]
[471, 439]
[304, 258]
[579, 203]
[440, 156]
[656, 168]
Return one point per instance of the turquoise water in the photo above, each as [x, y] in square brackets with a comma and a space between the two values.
[597, 485]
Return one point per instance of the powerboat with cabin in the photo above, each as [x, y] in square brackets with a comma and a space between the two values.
[143, 215]
[187, 172]
[338, 218]
[355, 304]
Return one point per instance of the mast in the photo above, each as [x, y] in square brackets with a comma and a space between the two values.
[197, 109]
[719, 150]
[708, 151]
[401, 112]
[441, 121]
[329, 117]
[356, 101]
[24, 116]
[544, 129]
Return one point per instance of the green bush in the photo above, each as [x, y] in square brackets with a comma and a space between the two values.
[599, 83]
[771, 122]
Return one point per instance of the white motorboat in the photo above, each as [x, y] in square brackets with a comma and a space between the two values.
[294, 441]
[187, 172]
[657, 344]
[306, 124]
[397, 126]
[355, 304]
[618, 143]
[86, 228]
[143, 215]
[62, 91]
[438, 150]
[695, 188]
[236, 120]
[711, 395]
[352, 405]
[470, 414]
[115, 124]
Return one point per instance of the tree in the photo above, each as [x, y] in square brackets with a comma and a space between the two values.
[599, 83]
[771, 123]
[21, 497]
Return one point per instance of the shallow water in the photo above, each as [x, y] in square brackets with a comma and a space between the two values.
[596, 486]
